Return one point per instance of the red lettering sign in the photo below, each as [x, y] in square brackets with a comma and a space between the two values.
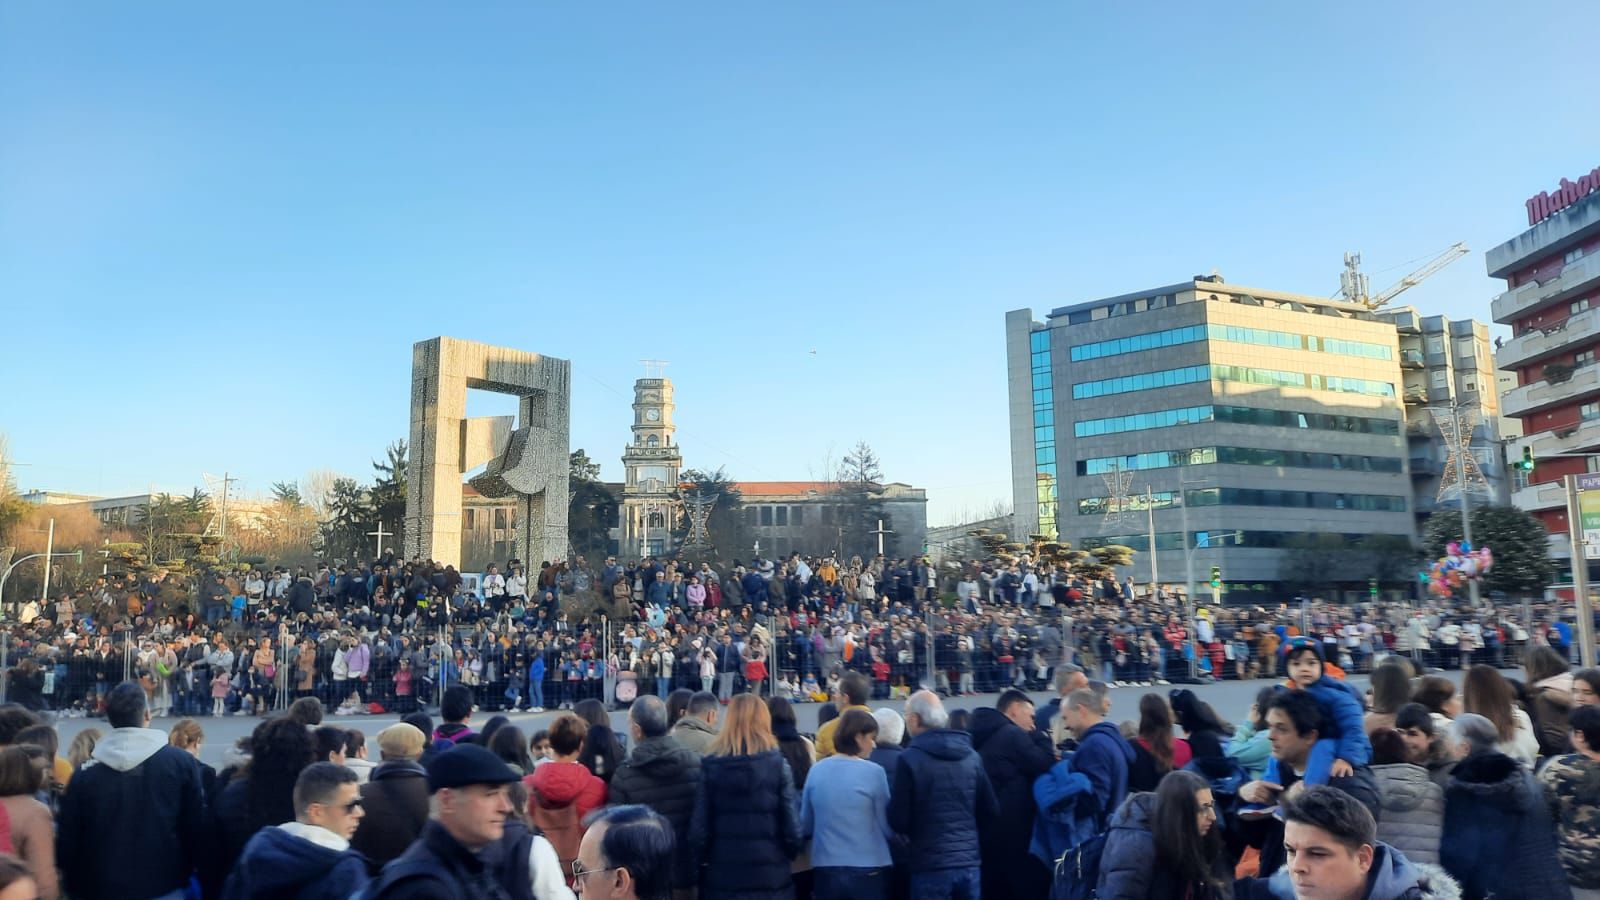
[1544, 204]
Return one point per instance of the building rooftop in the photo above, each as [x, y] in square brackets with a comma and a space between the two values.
[1219, 287]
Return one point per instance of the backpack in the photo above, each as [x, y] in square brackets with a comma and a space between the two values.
[1077, 874]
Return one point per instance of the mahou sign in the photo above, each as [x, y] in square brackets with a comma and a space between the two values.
[1543, 205]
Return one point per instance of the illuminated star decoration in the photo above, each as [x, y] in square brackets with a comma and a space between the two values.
[699, 508]
[1118, 507]
[1455, 427]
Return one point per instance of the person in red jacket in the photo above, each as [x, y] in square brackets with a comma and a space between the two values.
[562, 792]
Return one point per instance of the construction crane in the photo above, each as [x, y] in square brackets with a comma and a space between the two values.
[1353, 284]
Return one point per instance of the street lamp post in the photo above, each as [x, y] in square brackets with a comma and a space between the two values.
[49, 548]
[4, 576]
[1188, 571]
[1150, 514]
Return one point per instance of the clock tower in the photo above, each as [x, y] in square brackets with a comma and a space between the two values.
[649, 508]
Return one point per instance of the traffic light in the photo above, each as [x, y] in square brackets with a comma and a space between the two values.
[1527, 460]
[1216, 578]
[1372, 587]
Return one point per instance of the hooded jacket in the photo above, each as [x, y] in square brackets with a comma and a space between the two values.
[297, 860]
[1392, 877]
[1572, 789]
[1413, 811]
[939, 797]
[1103, 756]
[1130, 866]
[560, 795]
[1498, 838]
[396, 801]
[134, 822]
[694, 734]
[663, 775]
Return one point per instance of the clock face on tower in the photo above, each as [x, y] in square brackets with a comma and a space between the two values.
[652, 414]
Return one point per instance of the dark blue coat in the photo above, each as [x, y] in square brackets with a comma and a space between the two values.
[1103, 756]
[755, 588]
[1498, 837]
[1043, 715]
[939, 798]
[133, 824]
[745, 828]
[277, 864]
[888, 757]
[1130, 867]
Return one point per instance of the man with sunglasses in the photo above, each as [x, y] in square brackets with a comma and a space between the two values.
[309, 858]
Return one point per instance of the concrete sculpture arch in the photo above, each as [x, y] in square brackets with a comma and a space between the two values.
[528, 458]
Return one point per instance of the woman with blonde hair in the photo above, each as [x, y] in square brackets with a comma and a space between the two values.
[82, 747]
[745, 829]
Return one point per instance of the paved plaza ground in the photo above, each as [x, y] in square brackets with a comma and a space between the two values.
[1231, 699]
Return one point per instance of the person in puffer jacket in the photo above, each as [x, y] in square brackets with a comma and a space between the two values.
[1343, 710]
[939, 798]
[1154, 851]
[1412, 818]
[1571, 786]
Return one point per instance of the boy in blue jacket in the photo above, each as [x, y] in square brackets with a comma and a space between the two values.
[1343, 712]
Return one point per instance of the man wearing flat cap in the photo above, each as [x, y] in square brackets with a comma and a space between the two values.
[467, 813]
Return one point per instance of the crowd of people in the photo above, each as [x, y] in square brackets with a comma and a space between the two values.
[392, 635]
[711, 791]
[1411, 789]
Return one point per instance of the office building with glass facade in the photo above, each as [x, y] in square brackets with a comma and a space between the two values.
[1238, 417]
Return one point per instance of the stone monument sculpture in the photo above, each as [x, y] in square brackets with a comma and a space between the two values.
[528, 458]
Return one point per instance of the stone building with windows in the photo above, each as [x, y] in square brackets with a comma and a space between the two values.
[802, 517]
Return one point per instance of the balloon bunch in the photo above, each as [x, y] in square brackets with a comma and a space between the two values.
[1459, 565]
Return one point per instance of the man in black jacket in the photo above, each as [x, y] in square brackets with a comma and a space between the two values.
[662, 774]
[395, 797]
[1014, 753]
[938, 800]
[470, 807]
[133, 825]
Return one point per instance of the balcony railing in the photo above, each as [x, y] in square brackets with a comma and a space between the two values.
[1535, 497]
[1537, 395]
[1585, 436]
[1536, 342]
[1520, 300]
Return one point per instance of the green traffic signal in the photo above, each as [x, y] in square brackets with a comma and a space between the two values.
[1216, 577]
[1527, 460]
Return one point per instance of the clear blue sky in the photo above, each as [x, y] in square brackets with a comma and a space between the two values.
[222, 229]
